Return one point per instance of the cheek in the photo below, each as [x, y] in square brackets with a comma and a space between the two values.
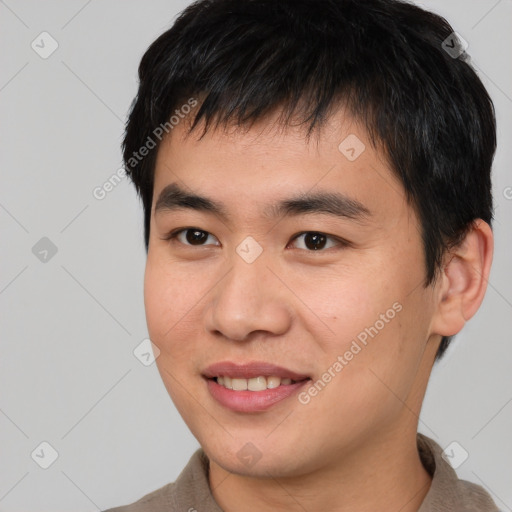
[348, 303]
[169, 299]
[373, 324]
[156, 300]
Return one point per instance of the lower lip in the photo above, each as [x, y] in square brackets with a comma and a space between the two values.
[252, 401]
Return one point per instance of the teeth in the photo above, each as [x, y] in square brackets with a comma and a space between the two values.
[239, 384]
[273, 382]
[254, 384]
[257, 384]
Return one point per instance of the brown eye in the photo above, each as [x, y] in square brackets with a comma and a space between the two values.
[195, 237]
[315, 241]
[190, 236]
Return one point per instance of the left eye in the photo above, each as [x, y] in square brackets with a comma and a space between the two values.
[314, 241]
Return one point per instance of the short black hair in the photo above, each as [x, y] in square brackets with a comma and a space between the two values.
[388, 62]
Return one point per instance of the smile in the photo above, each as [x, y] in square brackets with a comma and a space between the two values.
[254, 384]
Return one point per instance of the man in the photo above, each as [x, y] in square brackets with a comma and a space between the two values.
[315, 176]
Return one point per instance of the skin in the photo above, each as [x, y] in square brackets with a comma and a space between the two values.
[353, 446]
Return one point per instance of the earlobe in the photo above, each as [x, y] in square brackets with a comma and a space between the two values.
[463, 281]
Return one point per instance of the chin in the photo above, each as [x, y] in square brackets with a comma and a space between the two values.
[260, 458]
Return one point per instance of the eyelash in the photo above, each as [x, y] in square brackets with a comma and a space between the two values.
[341, 242]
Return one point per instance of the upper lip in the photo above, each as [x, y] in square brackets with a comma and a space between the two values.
[250, 370]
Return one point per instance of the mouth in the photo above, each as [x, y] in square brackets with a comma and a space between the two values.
[251, 387]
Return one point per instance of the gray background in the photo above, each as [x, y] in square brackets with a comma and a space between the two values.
[70, 324]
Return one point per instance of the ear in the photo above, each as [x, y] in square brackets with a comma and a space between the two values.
[463, 281]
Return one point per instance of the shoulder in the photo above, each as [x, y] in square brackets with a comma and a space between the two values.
[155, 501]
[474, 498]
[190, 487]
[447, 491]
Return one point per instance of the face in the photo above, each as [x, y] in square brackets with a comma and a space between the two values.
[326, 290]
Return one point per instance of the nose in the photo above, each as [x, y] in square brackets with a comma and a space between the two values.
[250, 298]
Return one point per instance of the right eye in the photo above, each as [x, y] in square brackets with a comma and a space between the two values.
[189, 236]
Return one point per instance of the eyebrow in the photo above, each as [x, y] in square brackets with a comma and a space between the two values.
[173, 197]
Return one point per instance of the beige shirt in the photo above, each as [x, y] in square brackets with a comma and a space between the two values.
[191, 491]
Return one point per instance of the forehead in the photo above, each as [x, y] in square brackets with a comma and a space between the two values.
[268, 164]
